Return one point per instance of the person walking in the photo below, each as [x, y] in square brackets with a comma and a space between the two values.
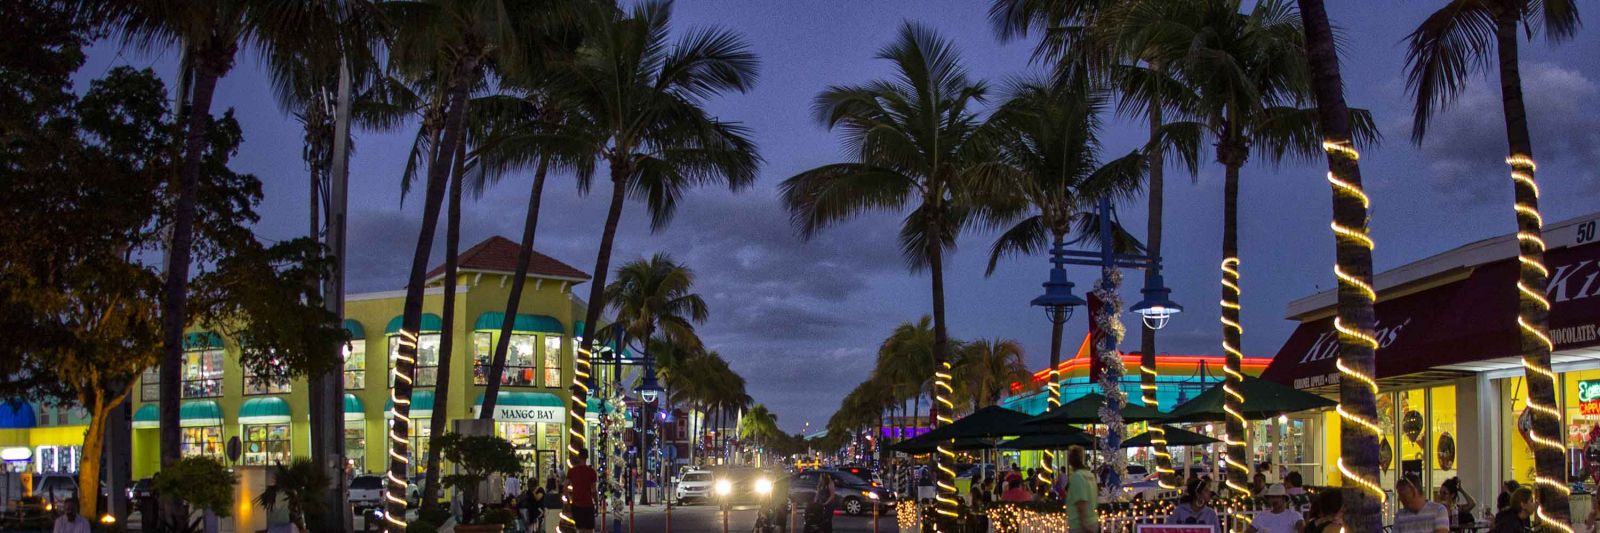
[1514, 518]
[1278, 518]
[819, 511]
[1416, 514]
[70, 521]
[580, 491]
[1083, 493]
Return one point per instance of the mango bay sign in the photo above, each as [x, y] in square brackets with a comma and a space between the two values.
[526, 413]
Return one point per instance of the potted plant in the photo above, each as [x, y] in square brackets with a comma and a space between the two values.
[201, 483]
[476, 458]
[300, 485]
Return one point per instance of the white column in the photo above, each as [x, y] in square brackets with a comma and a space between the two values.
[1478, 457]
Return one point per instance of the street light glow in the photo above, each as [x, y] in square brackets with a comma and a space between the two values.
[723, 487]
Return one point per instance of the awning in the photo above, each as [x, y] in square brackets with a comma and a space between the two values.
[17, 414]
[525, 407]
[354, 329]
[148, 416]
[491, 321]
[354, 410]
[430, 322]
[270, 410]
[202, 340]
[1464, 326]
[199, 413]
[421, 404]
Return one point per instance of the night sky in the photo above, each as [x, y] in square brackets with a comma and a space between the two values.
[803, 320]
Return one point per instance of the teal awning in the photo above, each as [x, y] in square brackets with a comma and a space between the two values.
[517, 406]
[354, 410]
[492, 321]
[148, 416]
[272, 410]
[577, 329]
[421, 404]
[200, 413]
[354, 329]
[202, 340]
[430, 322]
[524, 399]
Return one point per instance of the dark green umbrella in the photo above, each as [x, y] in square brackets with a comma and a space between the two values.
[1175, 437]
[1262, 400]
[1086, 410]
[919, 445]
[996, 422]
[1060, 441]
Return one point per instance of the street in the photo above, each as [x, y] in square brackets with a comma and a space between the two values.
[704, 518]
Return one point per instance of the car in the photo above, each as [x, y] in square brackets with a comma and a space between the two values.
[139, 490]
[859, 496]
[695, 485]
[986, 471]
[366, 491]
[863, 472]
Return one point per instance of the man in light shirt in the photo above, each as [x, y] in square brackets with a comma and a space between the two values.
[1279, 518]
[1417, 514]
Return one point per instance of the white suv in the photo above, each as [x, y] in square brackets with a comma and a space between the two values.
[366, 492]
[695, 485]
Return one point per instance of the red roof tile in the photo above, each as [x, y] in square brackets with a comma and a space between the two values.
[499, 254]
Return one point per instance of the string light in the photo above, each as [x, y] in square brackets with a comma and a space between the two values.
[577, 426]
[399, 429]
[946, 497]
[1158, 434]
[1230, 302]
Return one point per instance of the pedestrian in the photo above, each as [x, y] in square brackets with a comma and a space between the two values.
[580, 491]
[1016, 489]
[1294, 485]
[513, 487]
[819, 511]
[1194, 508]
[1258, 483]
[1416, 514]
[533, 509]
[1503, 502]
[1514, 518]
[70, 521]
[1327, 513]
[1457, 502]
[1083, 493]
[1278, 518]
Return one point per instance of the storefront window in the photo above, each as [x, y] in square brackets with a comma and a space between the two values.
[521, 368]
[427, 359]
[255, 383]
[552, 361]
[420, 430]
[266, 444]
[1580, 401]
[1518, 458]
[1445, 447]
[355, 365]
[150, 384]
[57, 459]
[355, 445]
[1412, 448]
[203, 440]
[202, 374]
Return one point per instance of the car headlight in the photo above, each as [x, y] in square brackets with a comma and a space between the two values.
[764, 486]
[724, 487]
[869, 494]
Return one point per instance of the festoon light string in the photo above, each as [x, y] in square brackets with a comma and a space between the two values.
[1230, 302]
[399, 428]
[1531, 258]
[577, 427]
[1356, 236]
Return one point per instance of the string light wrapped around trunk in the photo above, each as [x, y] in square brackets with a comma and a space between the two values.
[400, 430]
[1356, 236]
[577, 427]
[947, 504]
[1234, 433]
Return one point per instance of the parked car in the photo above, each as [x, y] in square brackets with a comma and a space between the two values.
[986, 471]
[857, 496]
[366, 492]
[695, 485]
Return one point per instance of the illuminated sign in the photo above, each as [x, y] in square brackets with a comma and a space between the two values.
[1589, 397]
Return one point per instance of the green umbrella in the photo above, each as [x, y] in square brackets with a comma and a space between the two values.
[995, 422]
[1262, 400]
[1086, 410]
[1048, 442]
[920, 445]
[1175, 437]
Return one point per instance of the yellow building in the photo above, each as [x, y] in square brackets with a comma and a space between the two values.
[221, 402]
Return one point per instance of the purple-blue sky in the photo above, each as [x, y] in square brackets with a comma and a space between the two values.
[802, 320]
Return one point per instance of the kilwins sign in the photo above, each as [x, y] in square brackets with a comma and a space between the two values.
[1473, 319]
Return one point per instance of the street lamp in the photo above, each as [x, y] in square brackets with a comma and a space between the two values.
[1157, 306]
[649, 390]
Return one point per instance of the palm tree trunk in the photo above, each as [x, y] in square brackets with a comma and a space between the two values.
[1232, 155]
[1058, 322]
[577, 426]
[944, 462]
[1147, 336]
[180, 249]
[530, 228]
[441, 397]
[1533, 310]
[405, 367]
[1358, 445]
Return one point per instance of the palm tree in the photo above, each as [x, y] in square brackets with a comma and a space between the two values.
[989, 367]
[906, 362]
[916, 145]
[759, 426]
[1358, 450]
[300, 484]
[651, 295]
[1249, 77]
[643, 99]
[1443, 54]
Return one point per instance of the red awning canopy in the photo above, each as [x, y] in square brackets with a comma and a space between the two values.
[1456, 324]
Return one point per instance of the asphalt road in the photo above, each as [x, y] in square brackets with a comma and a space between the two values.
[708, 518]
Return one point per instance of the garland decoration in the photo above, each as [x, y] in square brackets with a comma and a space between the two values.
[1109, 321]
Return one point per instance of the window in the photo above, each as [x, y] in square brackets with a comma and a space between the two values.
[355, 446]
[552, 360]
[427, 359]
[258, 384]
[355, 365]
[150, 388]
[202, 373]
[266, 444]
[203, 440]
[521, 369]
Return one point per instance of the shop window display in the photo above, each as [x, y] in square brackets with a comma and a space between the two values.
[521, 365]
[427, 359]
[266, 444]
[258, 384]
[203, 440]
[202, 374]
[57, 459]
[150, 384]
[355, 445]
[552, 361]
[355, 365]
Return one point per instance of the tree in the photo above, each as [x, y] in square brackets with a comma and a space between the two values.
[915, 143]
[300, 484]
[1358, 450]
[200, 482]
[1443, 54]
[989, 367]
[643, 99]
[651, 295]
[476, 458]
[906, 362]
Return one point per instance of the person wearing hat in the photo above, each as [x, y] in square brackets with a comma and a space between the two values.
[1279, 518]
[1016, 489]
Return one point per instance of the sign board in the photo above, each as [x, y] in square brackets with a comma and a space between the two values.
[527, 413]
[1589, 396]
[1175, 528]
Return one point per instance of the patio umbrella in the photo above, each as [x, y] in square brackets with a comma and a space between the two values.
[920, 445]
[996, 422]
[1262, 400]
[1048, 442]
[1086, 410]
[1175, 437]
